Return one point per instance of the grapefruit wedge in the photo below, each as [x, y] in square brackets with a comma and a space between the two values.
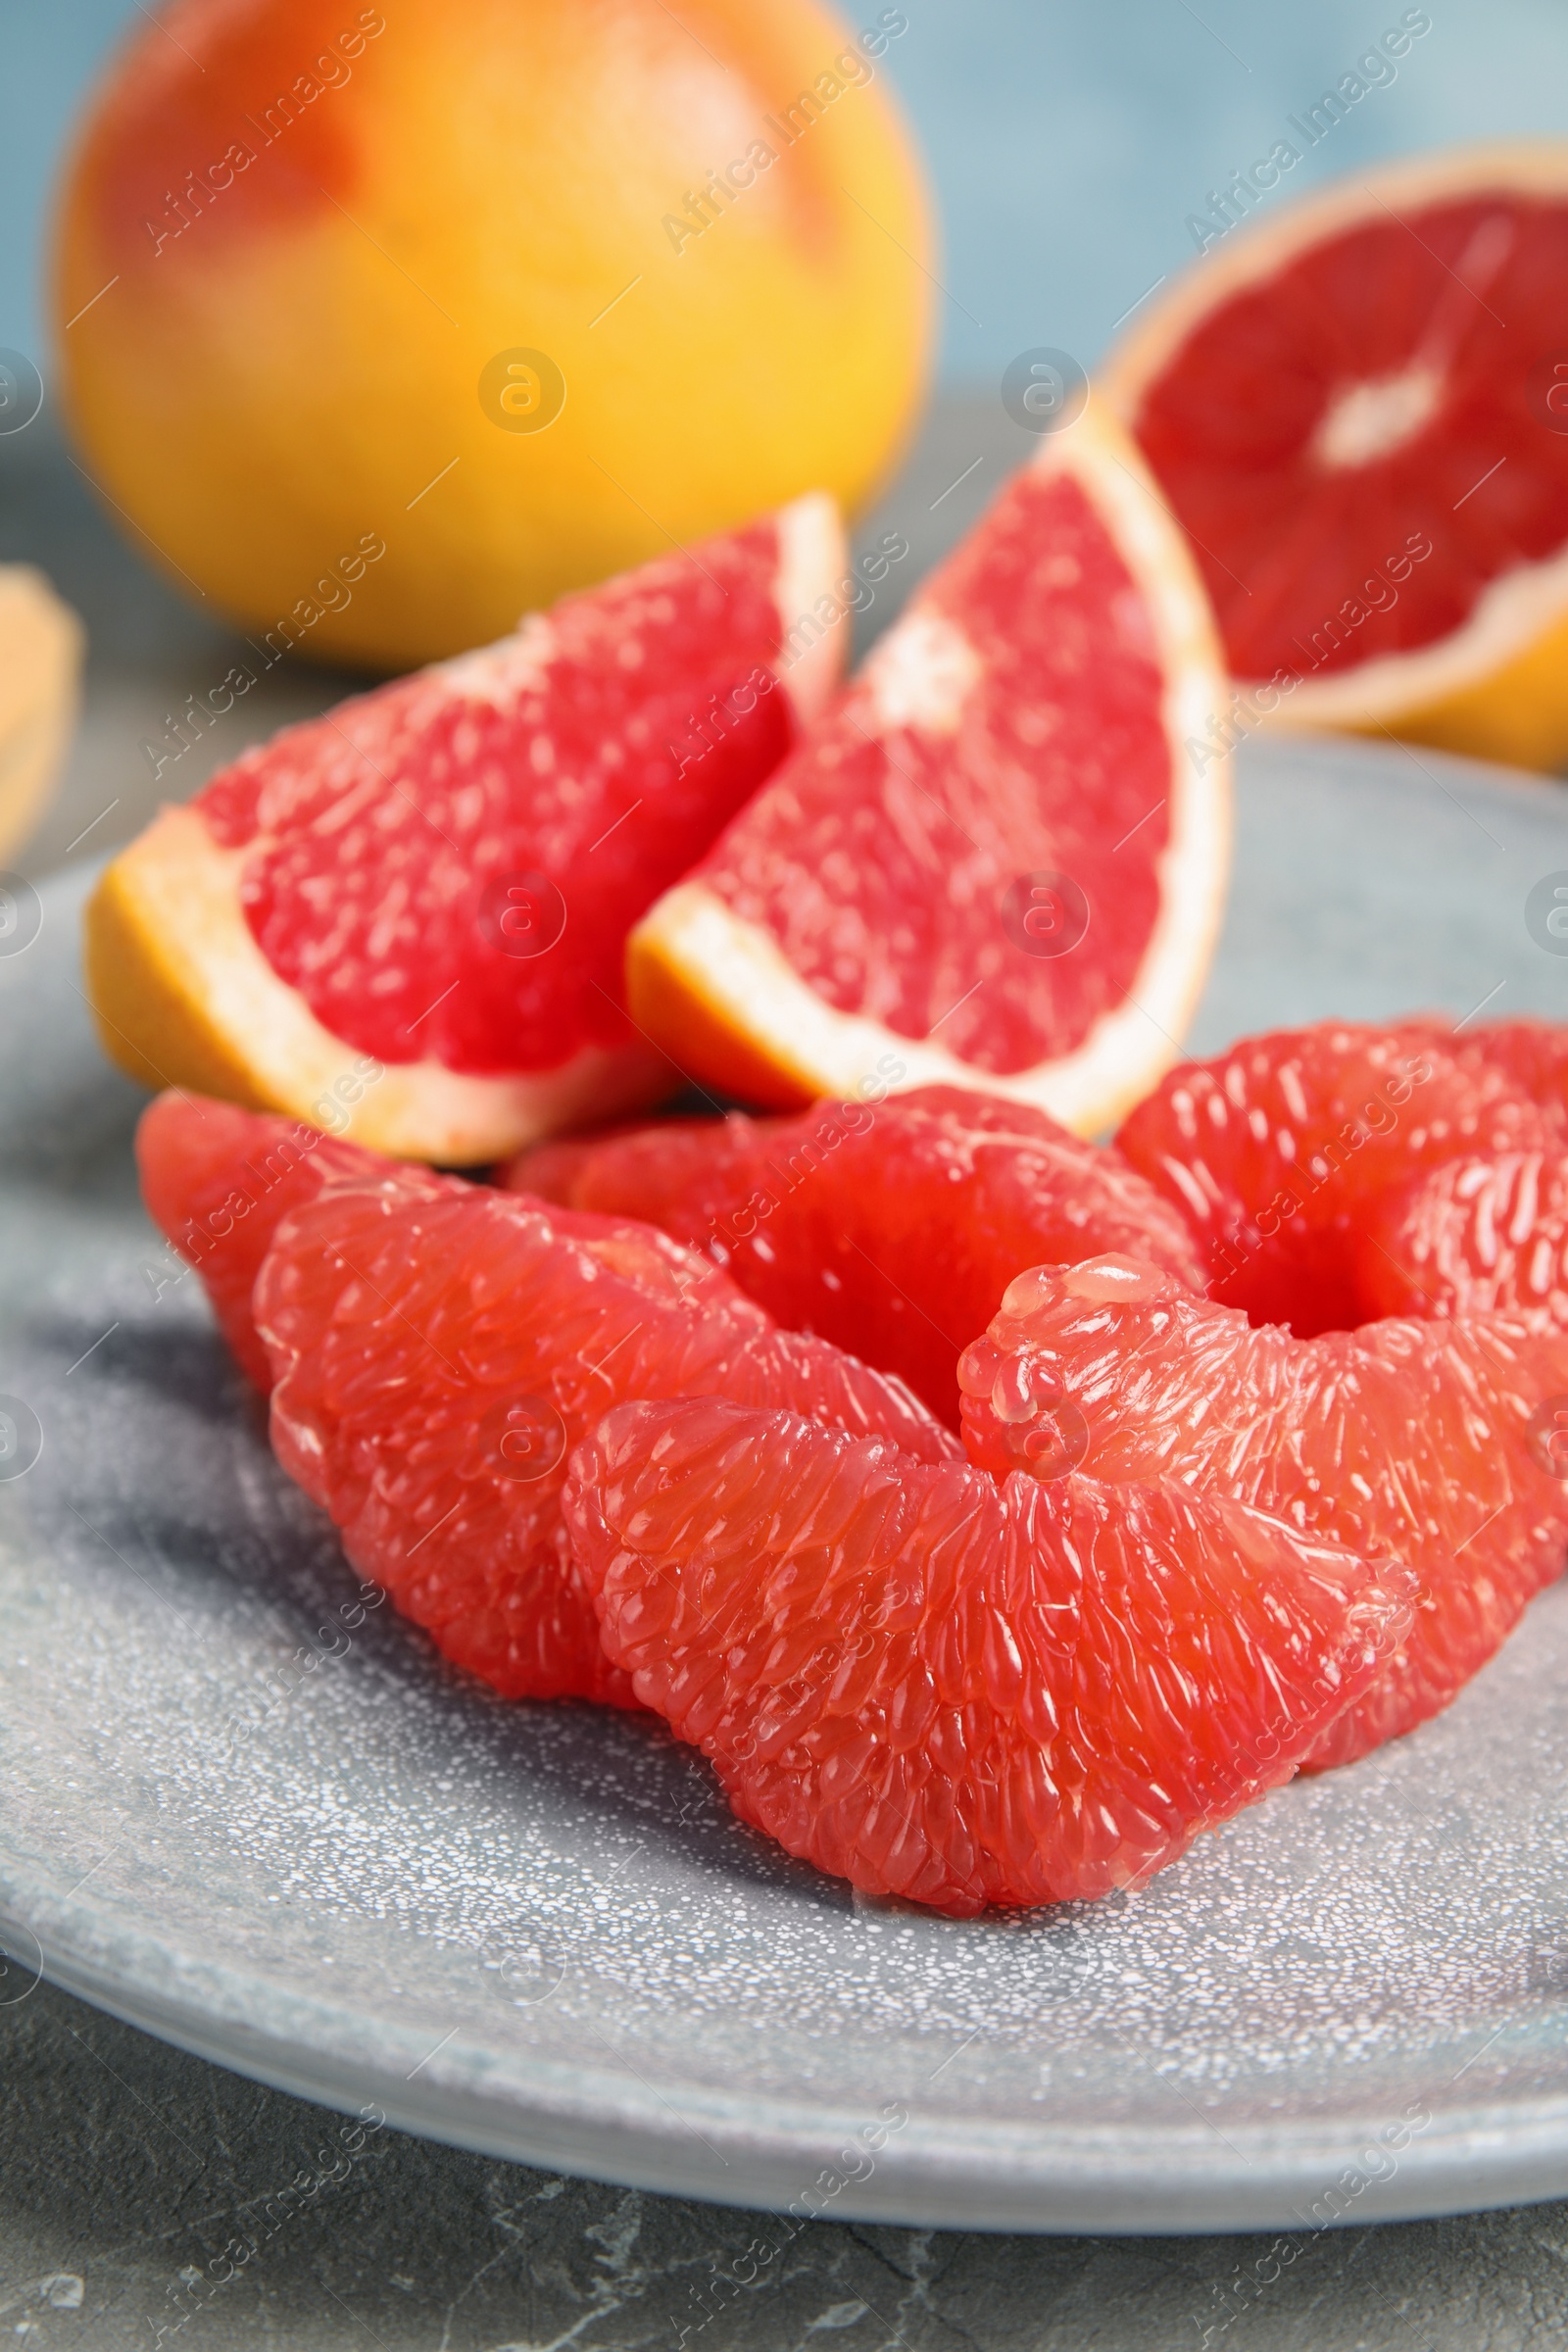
[404, 921]
[1357, 407]
[995, 863]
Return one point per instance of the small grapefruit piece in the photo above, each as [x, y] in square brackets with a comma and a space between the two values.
[951, 1690]
[1276, 1149]
[1402, 1441]
[218, 1181]
[437, 1349]
[995, 863]
[408, 914]
[1478, 1236]
[1358, 410]
[40, 677]
[891, 1230]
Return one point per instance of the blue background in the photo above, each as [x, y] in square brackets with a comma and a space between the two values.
[1069, 139]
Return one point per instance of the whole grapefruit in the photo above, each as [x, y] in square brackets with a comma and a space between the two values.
[385, 328]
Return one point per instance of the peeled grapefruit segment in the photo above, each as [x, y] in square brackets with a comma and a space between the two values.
[955, 1692]
[993, 862]
[1403, 1441]
[218, 1181]
[406, 919]
[891, 1229]
[1474, 1237]
[1277, 1150]
[1357, 407]
[438, 1349]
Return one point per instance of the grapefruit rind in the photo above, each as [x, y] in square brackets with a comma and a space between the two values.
[183, 996]
[719, 994]
[1497, 687]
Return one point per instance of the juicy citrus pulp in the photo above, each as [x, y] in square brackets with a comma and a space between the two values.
[1356, 408]
[408, 916]
[891, 1228]
[952, 1690]
[1403, 1441]
[994, 861]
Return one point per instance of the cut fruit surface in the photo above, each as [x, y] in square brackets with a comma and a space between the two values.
[1403, 1441]
[951, 1690]
[408, 916]
[996, 861]
[1357, 407]
[218, 1181]
[891, 1228]
[1277, 1150]
[437, 1349]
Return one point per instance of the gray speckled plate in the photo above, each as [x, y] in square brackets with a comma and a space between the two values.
[537, 1931]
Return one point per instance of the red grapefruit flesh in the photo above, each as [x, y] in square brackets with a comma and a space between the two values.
[995, 863]
[1474, 1237]
[1356, 410]
[438, 1349]
[1277, 1150]
[218, 1181]
[1403, 1441]
[891, 1229]
[951, 1690]
[411, 913]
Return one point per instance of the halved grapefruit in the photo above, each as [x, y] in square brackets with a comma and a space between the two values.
[1357, 407]
[952, 1691]
[405, 920]
[1403, 1441]
[995, 863]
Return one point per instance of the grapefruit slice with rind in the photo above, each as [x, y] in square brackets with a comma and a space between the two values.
[1403, 1441]
[437, 1349]
[891, 1229]
[404, 920]
[952, 1691]
[1357, 407]
[995, 863]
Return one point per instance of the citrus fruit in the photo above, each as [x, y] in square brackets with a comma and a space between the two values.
[1406, 1440]
[891, 1229]
[218, 1181]
[1531, 1053]
[1276, 1149]
[40, 668]
[438, 1348]
[993, 862]
[510, 296]
[406, 919]
[1477, 1236]
[1357, 407]
[952, 1691]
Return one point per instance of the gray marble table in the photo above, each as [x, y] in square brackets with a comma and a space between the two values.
[128, 2167]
